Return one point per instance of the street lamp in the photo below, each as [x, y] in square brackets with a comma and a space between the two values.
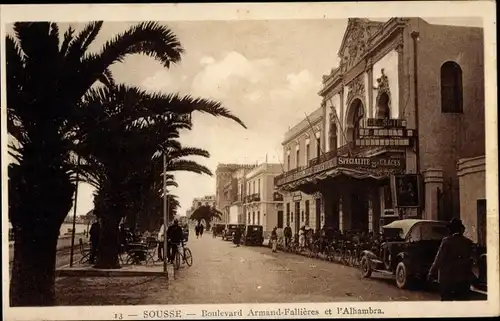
[165, 210]
[73, 232]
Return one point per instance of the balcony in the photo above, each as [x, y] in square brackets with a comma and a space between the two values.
[342, 150]
[252, 198]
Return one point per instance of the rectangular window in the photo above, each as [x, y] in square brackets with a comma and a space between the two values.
[307, 154]
[287, 213]
[258, 218]
[318, 146]
[280, 219]
[288, 162]
[297, 161]
[253, 187]
[258, 187]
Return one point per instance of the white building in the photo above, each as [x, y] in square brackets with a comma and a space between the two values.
[262, 205]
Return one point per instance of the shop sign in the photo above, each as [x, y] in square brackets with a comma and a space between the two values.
[331, 163]
[390, 162]
[387, 164]
[385, 123]
[386, 132]
[297, 197]
[383, 141]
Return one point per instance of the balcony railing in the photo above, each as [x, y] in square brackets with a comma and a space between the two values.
[252, 198]
[341, 151]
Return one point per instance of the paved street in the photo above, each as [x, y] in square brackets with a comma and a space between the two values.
[222, 273]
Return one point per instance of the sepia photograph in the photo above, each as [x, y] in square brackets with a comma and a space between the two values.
[222, 162]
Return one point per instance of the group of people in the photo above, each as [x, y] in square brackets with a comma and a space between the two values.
[199, 230]
[174, 238]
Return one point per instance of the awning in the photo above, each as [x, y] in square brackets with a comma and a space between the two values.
[332, 173]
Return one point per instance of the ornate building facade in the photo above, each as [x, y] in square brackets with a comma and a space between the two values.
[404, 105]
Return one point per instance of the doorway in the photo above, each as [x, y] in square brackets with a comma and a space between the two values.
[297, 217]
[280, 219]
[359, 212]
[318, 214]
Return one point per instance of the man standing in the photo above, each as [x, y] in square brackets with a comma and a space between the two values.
[201, 230]
[95, 231]
[175, 236]
[288, 234]
[453, 264]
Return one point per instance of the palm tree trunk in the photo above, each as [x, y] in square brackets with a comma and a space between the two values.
[40, 195]
[33, 271]
[109, 244]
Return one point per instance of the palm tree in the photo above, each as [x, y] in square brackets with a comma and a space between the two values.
[46, 80]
[206, 213]
[123, 132]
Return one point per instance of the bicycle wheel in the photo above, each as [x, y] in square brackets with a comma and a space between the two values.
[188, 257]
[177, 261]
[338, 256]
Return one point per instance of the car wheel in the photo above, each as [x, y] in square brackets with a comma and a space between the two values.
[366, 268]
[402, 277]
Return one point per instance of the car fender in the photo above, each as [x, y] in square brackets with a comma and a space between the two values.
[404, 257]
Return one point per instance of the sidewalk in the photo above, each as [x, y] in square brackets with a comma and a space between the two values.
[133, 270]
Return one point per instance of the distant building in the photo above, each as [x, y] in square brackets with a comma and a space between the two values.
[226, 187]
[208, 200]
[263, 205]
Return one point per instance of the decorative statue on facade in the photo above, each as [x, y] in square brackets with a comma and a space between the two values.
[383, 100]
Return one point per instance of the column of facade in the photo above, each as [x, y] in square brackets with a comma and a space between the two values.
[342, 107]
[433, 183]
[369, 72]
[401, 80]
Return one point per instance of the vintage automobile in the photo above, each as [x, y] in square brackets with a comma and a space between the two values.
[407, 250]
[254, 235]
[218, 229]
[227, 235]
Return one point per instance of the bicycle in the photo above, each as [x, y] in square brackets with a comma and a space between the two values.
[185, 256]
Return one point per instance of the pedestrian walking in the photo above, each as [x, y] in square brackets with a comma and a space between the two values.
[453, 264]
[95, 231]
[274, 239]
[161, 241]
[197, 230]
[237, 237]
[201, 230]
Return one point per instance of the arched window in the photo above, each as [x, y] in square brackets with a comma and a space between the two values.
[333, 135]
[451, 88]
[383, 110]
[358, 116]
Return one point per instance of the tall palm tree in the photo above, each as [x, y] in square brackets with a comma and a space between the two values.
[206, 213]
[46, 79]
[123, 132]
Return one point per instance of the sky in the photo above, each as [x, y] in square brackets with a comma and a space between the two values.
[268, 73]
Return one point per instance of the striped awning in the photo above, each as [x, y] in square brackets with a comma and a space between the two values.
[332, 173]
